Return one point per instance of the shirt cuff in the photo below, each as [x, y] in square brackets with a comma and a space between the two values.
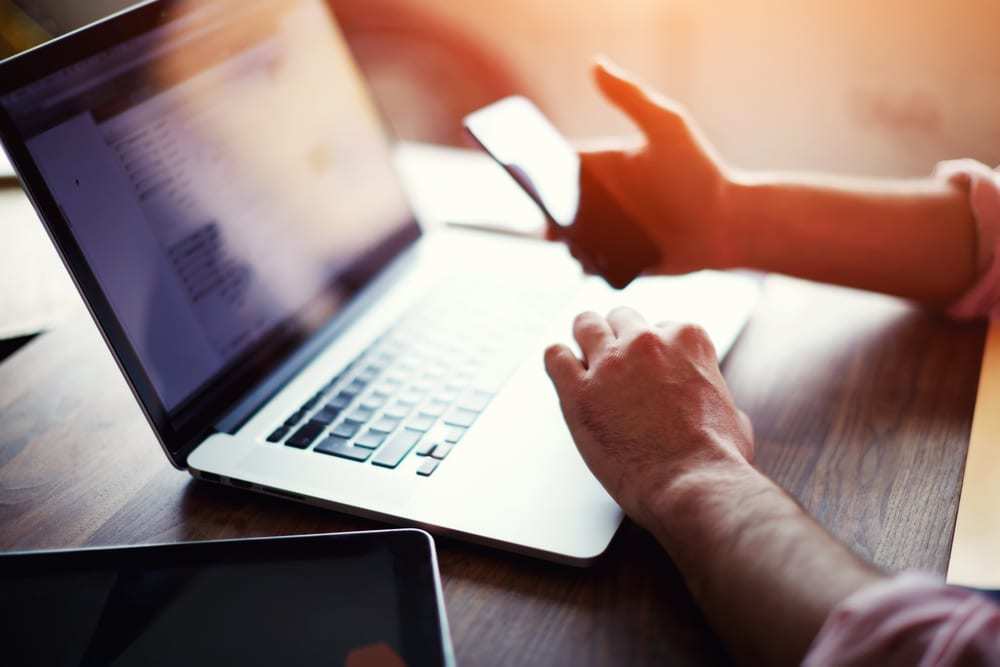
[911, 619]
[982, 186]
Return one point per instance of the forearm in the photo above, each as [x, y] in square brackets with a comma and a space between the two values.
[915, 239]
[765, 573]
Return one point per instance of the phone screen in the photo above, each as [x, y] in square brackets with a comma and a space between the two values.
[531, 149]
[586, 212]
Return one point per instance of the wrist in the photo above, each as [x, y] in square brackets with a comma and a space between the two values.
[731, 217]
[692, 510]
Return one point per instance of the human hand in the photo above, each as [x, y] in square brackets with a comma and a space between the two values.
[646, 405]
[672, 186]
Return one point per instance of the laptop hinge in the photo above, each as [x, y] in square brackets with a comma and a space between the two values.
[264, 391]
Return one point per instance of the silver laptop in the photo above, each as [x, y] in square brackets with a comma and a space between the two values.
[220, 187]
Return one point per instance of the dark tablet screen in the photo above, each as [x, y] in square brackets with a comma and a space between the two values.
[369, 599]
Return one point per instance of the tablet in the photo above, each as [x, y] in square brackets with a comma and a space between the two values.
[355, 599]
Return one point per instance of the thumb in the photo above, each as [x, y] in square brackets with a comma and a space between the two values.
[650, 111]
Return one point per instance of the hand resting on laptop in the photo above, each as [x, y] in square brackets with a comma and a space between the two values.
[653, 419]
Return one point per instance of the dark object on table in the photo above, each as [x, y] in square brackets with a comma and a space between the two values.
[283, 600]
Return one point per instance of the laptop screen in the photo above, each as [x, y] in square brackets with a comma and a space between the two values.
[226, 179]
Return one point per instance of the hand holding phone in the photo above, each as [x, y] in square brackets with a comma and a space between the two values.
[580, 210]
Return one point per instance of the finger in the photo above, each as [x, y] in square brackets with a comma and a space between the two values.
[593, 334]
[585, 260]
[626, 322]
[650, 111]
[563, 367]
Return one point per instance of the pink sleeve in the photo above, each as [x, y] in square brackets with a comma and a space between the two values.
[911, 619]
[983, 187]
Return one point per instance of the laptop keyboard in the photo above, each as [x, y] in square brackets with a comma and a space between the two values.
[420, 386]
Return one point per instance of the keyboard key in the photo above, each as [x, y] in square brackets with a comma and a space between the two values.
[333, 383]
[355, 387]
[476, 401]
[426, 446]
[386, 388]
[395, 379]
[361, 414]
[396, 449]
[404, 370]
[442, 450]
[424, 387]
[375, 400]
[298, 416]
[460, 417]
[445, 396]
[399, 409]
[327, 415]
[421, 423]
[428, 467]
[455, 388]
[341, 400]
[434, 408]
[384, 357]
[305, 435]
[453, 433]
[278, 434]
[369, 373]
[313, 402]
[434, 375]
[412, 395]
[371, 439]
[343, 448]
[348, 428]
[386, 424]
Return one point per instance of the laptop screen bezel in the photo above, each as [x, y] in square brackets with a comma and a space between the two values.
[181, 431]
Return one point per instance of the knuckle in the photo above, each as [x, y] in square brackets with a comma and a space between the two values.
[692, 333]
[646, 342]
[673, 111]
[690, 339]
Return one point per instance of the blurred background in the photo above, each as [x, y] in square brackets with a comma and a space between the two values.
[883, 87]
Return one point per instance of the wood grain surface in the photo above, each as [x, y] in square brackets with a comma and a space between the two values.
[862, 406]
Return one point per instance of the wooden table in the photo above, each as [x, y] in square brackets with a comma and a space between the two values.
[862, 406]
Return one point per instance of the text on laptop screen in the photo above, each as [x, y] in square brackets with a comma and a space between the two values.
[223, 175]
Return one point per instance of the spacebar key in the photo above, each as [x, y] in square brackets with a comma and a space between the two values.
[397, 448]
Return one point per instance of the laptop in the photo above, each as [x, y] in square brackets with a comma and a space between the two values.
[220, 186]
